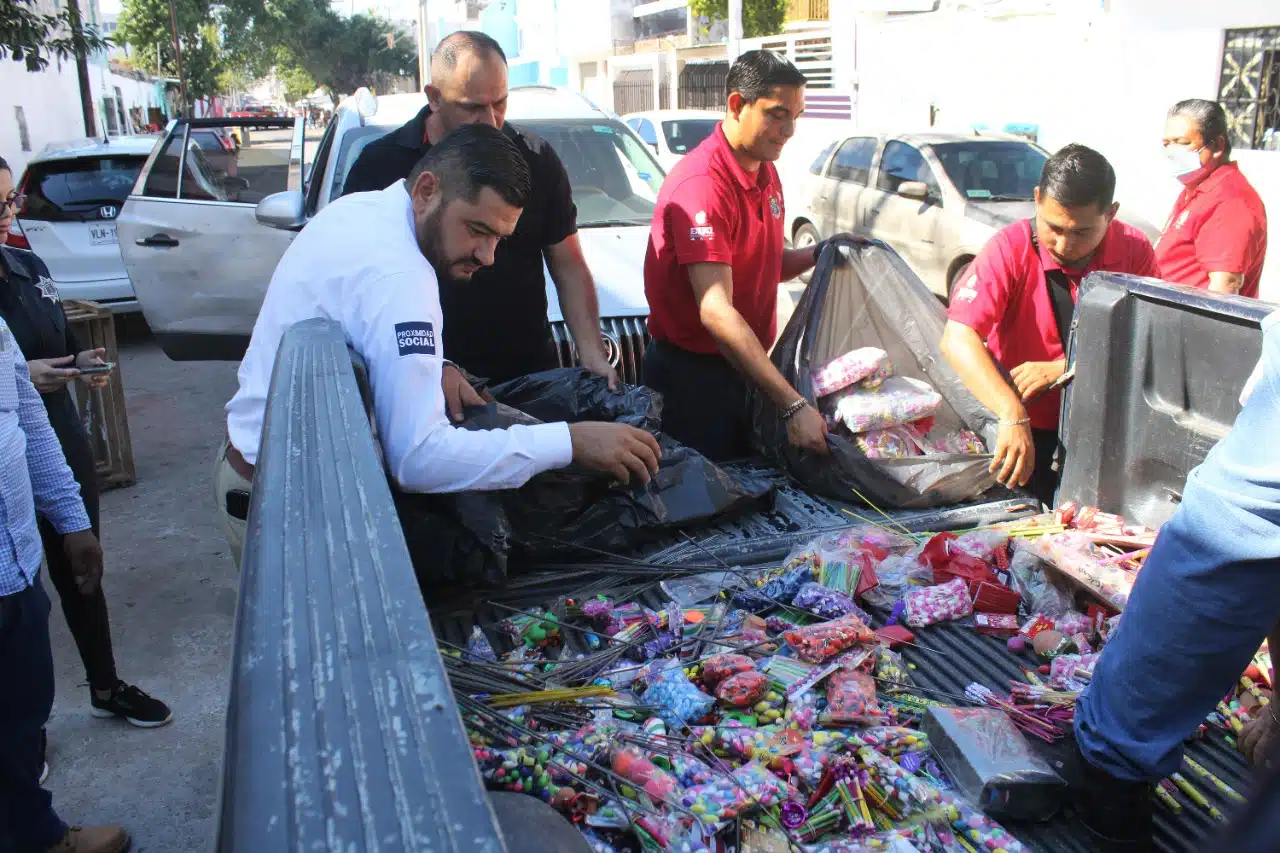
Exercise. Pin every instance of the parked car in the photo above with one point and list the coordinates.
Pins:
(201, 300)
(935, 197)
(73, 193)
(673, 133)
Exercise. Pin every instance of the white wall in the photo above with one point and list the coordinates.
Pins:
(1104, 80)
(50, 101)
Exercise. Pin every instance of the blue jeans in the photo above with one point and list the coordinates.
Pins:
(1207, 596)
(27, 819)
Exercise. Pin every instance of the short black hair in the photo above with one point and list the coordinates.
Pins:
(476, 156)
(1209, 117)
(755, 73)
(4, 166)
(1076, 176)
(463, 42)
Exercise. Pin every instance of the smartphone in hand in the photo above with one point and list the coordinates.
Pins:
(97, 369)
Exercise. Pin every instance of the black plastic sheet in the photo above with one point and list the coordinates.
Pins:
(571, 508)
(873, 299)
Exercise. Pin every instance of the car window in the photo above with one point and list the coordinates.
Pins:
(902, 163)
(614, 178)
(820, 162)
(225, 163)
(353, 142)
(684, 135)
(853, 161)
(78, 189)
(315, 173)
(1002, 170)
(162, 180)
(644, 128)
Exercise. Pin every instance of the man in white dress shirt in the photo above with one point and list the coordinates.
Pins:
(373, 262)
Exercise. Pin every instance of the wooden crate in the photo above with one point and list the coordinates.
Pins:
(102, 410)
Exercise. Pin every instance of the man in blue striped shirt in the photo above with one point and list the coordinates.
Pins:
(34, 476)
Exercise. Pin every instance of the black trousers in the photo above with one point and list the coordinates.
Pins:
(704, 400)
(1044, 480)
(27, 819)
(86, 614)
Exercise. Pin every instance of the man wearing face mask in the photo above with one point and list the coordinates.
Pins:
(469, 85)
(1216, 236)
(439, 226)
(713, 266)
(1009, 319)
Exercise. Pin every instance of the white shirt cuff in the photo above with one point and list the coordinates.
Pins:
(552, 445)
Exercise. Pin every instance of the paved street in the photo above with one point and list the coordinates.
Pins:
(171, 590)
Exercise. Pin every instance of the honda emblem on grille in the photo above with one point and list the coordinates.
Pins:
(108, 211)
(612, 349)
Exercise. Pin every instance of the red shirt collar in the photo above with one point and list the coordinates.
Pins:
(1212, 179)
(748, 180)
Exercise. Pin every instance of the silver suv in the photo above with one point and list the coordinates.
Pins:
(201, 242)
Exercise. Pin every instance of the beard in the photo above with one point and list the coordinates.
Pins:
(431, 243)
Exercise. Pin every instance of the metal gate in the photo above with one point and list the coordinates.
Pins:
(633, 91)
(702, 85)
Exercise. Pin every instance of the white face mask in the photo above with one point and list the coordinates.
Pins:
(1184, 162)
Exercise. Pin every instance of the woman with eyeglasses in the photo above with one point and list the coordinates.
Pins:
(30, 304)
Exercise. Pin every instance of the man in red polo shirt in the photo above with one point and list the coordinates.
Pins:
(713, 266)
(1008, 318)
(1216, 236)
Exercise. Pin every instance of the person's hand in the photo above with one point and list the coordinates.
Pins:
(93, 358)
(807, 430)
(617, 449)
(1015, 456)
(1032, 378)
(458, 392)
(51, 374)
(85, 554)
(1260, 739)
(599, 365)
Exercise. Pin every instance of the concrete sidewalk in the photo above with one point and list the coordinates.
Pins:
(171, 591)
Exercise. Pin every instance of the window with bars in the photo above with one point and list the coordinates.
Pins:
(1249, 86)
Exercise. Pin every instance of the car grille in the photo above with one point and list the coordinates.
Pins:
(625, 339)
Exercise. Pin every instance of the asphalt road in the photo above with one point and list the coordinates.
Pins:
(171, 590)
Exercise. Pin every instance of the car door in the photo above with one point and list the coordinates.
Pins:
(910, 225)
(849, 174)
(199, 259)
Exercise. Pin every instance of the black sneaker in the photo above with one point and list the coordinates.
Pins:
(133, 704)
(1118, 813)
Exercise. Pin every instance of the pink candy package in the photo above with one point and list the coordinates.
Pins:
(899, 400)
(938, 603)
(864, 364)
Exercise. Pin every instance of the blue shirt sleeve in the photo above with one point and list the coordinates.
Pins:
(56, 492)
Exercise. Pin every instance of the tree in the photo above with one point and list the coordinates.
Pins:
(34, 37)
(759, 17)
(144, 24)
(363, 50)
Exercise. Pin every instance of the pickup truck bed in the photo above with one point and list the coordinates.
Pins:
(341, 732)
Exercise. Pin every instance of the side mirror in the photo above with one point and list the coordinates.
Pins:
(917, 190)
(282, 210)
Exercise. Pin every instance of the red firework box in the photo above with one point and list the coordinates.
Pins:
(996, 624)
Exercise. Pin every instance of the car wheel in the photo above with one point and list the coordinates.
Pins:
(806, 237)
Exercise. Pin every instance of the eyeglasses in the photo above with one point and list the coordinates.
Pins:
(14, 200)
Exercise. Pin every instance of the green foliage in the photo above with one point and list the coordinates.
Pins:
(363, 50)
(759, 17)
(144, 25)
(30, 36)
(298, 83)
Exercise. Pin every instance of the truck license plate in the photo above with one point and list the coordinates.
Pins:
(103, 235)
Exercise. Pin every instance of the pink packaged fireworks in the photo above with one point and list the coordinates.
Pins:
(851, 698)
(965, 441)
(849, 368)
(899, 400)
(816, 643)
(894, 442)
(938, 603)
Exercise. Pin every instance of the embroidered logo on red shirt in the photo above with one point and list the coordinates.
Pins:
(701, 230)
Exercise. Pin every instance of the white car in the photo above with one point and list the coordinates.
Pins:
(201, 264)
(673, 133)
(73, 193)
(936, 198)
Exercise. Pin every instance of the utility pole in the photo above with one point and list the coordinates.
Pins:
(735, 29)
(82, 69)
(177, 52)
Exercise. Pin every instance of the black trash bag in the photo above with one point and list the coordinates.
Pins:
(571, 508)
(874, 299)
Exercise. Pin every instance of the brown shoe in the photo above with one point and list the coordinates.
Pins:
(93, 839)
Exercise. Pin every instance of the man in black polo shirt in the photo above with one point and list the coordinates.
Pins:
(497, 327)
